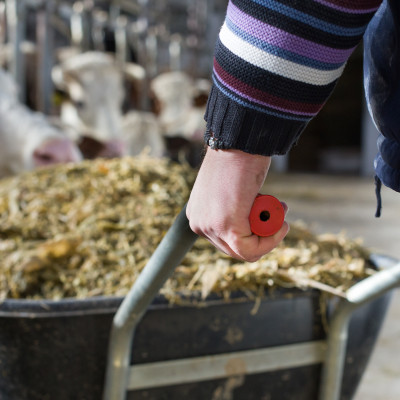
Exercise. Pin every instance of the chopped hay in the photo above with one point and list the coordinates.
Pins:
(88, 230)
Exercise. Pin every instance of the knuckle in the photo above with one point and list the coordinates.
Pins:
(253, 258)
(235, 240)
(195, 228)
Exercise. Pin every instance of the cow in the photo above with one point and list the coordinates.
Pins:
(179, 103)
(28, 139)
(142, 133)
(93, 86)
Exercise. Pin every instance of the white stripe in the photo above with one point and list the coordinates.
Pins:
(197, 369)
(274, 64)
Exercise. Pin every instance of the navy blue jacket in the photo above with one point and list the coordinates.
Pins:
(382, 89)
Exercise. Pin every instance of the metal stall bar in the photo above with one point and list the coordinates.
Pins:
(16, 19)
(358, 295)
(3, 36)
(44, 35)
(80, 25)
(176, 243)
(121, 40)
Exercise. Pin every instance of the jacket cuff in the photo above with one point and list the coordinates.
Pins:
(232, 126)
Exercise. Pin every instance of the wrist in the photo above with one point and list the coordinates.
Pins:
(247, 168)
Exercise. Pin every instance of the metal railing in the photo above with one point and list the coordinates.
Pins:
(157, 34)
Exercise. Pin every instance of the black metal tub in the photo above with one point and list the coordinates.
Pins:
(58, 349)
(140, 347)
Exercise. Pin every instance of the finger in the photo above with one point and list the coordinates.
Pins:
(266, 244)
(223, 246)
(218, 243)
(229, 250)
(254, 247)
(246, 248)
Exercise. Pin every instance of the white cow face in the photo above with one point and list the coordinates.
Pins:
(93, 83)
(95, 103)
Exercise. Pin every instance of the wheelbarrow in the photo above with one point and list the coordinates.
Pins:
(217, 350)
(238, 366)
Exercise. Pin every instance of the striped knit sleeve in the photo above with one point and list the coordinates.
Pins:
(276, 62)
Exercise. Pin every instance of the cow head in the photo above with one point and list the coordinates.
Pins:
(93, 84)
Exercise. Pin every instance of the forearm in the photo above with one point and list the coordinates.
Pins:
(275, 65)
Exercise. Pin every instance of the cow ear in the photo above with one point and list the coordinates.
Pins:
(60, 96)
(134, 72)
(59, 78)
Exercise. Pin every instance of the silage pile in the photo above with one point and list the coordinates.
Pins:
(88, 230)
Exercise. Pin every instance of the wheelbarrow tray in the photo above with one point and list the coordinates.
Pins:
(58, 349)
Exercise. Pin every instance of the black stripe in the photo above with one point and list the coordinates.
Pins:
(328, 14)
(270, 82)
(266, 108)
(296, 27)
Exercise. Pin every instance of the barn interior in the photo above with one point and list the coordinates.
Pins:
(142, 87)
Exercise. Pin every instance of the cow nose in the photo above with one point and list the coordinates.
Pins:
(56, 151)
(113, 148)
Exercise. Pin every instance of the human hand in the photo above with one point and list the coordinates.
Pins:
(221, 199)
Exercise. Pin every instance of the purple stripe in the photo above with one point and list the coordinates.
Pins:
(278, 37)
(347, 10)
(245, 96)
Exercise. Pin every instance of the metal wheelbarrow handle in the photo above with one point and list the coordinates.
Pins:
(172, 249)
(266, 218)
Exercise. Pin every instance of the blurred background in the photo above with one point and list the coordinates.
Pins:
(164, 36)
(122, 77)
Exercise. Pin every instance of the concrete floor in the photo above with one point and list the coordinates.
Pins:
(336, 204)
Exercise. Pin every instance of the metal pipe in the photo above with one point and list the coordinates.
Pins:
(44, 34)
(78, 26)
(3, 24)
(176, 243)
(121, 42)
(336, 352)
(358, 295)
(100, 21)
(4, 46)
(175, 52)
(115, 9)
(151, 45)
(16, 20)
